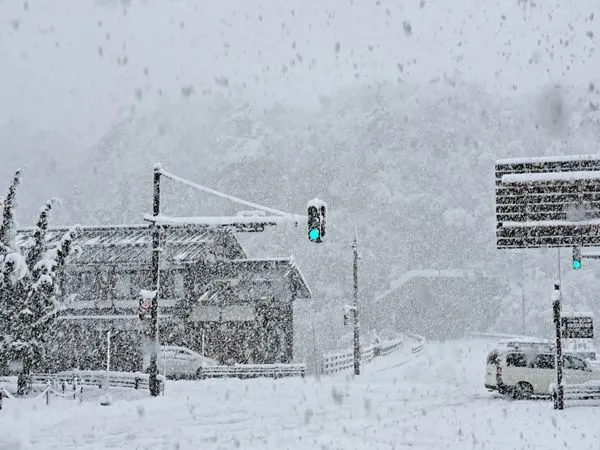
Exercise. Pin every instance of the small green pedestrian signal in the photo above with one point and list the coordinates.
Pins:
(576, 258)
(313, 234)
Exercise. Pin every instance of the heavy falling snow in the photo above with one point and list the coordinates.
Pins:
(390, 116)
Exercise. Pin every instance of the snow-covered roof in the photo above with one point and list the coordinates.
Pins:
(283, 267)
(253, 278)
(218, 250)
(131, 244)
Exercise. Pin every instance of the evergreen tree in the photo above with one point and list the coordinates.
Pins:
(29, 287)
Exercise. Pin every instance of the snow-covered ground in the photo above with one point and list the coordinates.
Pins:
(433, 401)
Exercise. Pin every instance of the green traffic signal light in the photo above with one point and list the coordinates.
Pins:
(313, 234)
(576, 264)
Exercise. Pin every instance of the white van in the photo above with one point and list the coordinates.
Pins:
(523, 373)
(527, 344)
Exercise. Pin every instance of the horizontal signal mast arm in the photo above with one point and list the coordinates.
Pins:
(225, 221)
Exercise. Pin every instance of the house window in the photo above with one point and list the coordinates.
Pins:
(89, 285)
(123, 285)
(178, 285)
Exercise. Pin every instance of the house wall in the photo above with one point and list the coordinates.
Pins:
(251, 330)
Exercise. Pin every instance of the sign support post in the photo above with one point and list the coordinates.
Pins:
(556, 309)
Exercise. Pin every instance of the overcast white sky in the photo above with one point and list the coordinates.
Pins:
(52, 74)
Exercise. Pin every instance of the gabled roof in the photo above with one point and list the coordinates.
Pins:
(247, 272)
(218, 250)
(131, 244)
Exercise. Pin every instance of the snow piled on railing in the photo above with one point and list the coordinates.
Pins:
(334, 362)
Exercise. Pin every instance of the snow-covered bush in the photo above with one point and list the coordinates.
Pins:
(29, 285)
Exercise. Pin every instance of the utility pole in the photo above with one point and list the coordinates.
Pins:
(155, 267)
(355, 309)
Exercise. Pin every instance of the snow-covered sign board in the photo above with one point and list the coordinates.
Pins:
(577, 326)
(548, 202)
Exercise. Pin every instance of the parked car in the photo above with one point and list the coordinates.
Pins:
(526, 373)
(179, 362)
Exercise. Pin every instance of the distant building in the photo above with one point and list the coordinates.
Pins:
(211, 293)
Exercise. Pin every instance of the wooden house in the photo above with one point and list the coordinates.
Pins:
(212, 297)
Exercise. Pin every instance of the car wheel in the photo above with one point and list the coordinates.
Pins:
(523, 390)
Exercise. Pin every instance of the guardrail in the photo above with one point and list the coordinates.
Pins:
(253, 371)
(337, 361)
(387, 347)
(334, 362)
(74, 378)
(419, 345)
(585, 391)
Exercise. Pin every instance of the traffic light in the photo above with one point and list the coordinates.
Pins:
(316, 220)
(576, 258)
(314, 224)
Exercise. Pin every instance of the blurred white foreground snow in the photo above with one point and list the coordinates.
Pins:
(434, 401)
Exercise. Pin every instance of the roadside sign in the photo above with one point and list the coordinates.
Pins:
(577, 327)
(548, 202)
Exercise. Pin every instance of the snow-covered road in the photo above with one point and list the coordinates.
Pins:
(434, 401)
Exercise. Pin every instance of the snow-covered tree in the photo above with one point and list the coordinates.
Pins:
(29, 286)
